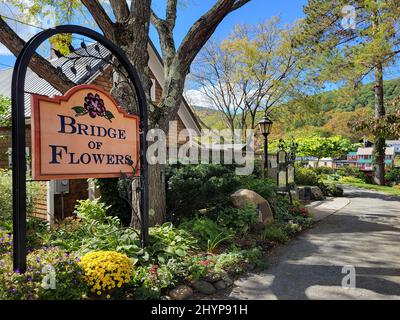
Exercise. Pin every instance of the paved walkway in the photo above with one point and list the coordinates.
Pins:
(365, 234)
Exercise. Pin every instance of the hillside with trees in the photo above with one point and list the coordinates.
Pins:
(326, 114)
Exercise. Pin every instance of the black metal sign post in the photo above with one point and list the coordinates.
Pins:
(18, 133)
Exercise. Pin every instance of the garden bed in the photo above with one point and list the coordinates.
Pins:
(93, 256)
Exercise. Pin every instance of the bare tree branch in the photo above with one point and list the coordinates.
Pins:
(101, 17)
(120, 9)
(203, 29)
(166, 38)
(171, 13)
(38, 64)
(239, 4)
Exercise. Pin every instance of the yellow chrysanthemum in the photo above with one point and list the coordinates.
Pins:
(106, 270)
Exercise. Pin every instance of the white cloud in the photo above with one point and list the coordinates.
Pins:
(198, 98)
(4, 51)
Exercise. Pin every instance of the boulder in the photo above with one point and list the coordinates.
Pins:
(220, 285)
(310, 193)
(228, 281)
(213, 277)
(181, 292)
(204, 287)
(244, 196)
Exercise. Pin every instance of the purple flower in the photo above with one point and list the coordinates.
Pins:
(94, 105)
(17, 271)
(37, 260)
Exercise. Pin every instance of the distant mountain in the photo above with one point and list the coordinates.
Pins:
(211, 118)
(326, 113)
(364, 97)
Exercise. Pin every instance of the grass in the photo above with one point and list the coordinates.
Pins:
(385, 189)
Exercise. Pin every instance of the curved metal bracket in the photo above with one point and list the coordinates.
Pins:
(18, 133)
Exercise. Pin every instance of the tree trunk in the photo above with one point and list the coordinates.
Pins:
(157, 188)
(135, 215)
(380, 142)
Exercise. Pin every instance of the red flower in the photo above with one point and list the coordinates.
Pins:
(304, 211)
(153, 269)
(204, 263)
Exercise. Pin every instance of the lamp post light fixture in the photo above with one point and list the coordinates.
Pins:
(265, 126)
(293, 150)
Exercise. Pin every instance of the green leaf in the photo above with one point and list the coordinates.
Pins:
(79, 110)
(180, 252)
(161, 259)
(109, 115)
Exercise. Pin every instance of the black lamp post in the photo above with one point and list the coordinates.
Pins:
(265, 126)
(293, 150)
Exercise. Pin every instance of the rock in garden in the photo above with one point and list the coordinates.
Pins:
(228, 281)
(310, 193)
(204, 287)
(244, 196)
(181, 292)
(220, 285)
(215, 276)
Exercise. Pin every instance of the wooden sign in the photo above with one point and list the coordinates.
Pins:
(83, 134)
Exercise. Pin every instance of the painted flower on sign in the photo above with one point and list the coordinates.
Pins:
(94, 106)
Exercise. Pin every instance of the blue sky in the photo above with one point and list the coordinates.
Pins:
(253, 12)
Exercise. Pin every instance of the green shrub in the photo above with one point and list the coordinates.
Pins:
(68, 234)
(286, 213)
(207, 231)
(306, 177)
(236, 260)
(91, 210)
(6, 198)
(351, 180)
(331, 189)
(352, 172)
(264, 187)
(6, 241)
(274, 233)
(324, 170)
(194, 187)
(393, 175)
(5, 195)
(168, 242)
(115, 204)
(240, 220)
(36, 230)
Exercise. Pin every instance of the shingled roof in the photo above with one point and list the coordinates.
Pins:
(37, 85)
